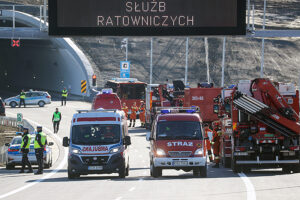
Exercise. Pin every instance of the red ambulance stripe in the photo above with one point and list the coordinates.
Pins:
(92, 119)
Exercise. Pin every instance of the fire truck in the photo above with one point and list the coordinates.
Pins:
(261, 119)
(177, 142)
(129, 90)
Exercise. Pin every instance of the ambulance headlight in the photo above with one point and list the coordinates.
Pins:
(76, 151)
(199, 152)
(160, 152)
(115, 150)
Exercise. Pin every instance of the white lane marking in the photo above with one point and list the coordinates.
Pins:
(61, 165)
(131, 189)
(249, 186)
(119, 198)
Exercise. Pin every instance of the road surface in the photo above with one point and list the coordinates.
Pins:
(220, 184)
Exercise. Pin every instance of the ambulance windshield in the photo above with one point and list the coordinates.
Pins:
(96, 134)
(171, 130)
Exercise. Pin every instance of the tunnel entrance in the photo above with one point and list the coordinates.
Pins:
(38, 64)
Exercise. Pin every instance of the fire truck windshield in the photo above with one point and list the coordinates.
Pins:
(132, 91)
(96, 134)
(170, 130)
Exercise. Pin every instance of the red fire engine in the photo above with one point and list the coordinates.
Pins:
(129, 90)
(264, 118)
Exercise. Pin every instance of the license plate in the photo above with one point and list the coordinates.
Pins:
(95, 168)
(180, 163)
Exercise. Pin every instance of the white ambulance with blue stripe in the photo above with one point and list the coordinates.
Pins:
(98, 143)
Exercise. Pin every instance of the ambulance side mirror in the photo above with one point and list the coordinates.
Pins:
(66, 142)
(50, 144)
(127, 140)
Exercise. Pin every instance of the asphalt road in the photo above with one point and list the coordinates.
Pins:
(220, 184)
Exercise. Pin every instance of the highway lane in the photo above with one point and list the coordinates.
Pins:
(220, 184)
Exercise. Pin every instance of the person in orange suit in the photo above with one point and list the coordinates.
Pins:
(216, 146)
(125, 109)
(207, 141)
(142, 114)
(134, 109)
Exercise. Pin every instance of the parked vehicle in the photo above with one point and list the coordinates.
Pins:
(106, 100)
(40, 98)
(262, 122)
(14, 156)
(177, 142)
(2, 107)
(98, 143)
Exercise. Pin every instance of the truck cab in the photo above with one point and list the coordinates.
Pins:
(177, 142)
(98, 143)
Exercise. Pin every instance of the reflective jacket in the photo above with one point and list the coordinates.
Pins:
(64, 93)
(40, 138)
(26, 136)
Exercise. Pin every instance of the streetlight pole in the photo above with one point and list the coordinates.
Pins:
(206, 59)
(151, 60)
(186, 61)
(263, 43)
(223, 66)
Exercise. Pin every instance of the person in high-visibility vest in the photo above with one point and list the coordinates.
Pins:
(142, 114)
(207, 141)
(64, 96)
(56, 118)
(134, 109)
(22, 99)
(25, 145)
(125, 109)
(39, 146)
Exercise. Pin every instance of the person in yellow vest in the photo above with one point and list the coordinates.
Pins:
(64, 96)
(39, 146)
(25, 150)
(22, 99)
(56, 118)
(134, 109)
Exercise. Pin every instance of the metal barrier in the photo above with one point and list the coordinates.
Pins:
(8, 121)
(38, 11)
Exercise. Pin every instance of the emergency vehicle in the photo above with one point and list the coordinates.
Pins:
(106, 99)
(177, 142)
(98, 143)
(129, 90)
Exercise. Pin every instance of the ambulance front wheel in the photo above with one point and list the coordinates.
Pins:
(72, 175)
(203, 171)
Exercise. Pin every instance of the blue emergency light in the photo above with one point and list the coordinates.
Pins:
(191, 111)
(165, 111)
(107, 91)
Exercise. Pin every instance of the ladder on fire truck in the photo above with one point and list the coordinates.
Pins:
(264, 114)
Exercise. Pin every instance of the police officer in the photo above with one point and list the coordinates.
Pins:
(25, 150)
(39, 145)
(56, 118)
(64, 96)
(22, 99)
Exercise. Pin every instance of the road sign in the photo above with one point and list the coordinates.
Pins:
(19, 117)
(83, 86)
(124, 69)
(147, 17)
(15, 43)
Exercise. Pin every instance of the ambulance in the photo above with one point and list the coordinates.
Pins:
(98, 143)
(177, 142)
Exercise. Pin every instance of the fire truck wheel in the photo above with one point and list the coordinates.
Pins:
(203, 171)
(286, 169)
(155, 172)
(227, 162)
(235, 168)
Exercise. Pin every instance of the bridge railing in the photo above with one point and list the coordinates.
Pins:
(8, 15)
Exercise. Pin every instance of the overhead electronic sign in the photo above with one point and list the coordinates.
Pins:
(147, 17)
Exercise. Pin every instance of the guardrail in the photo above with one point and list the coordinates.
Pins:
(3, 158)
(8, 121)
